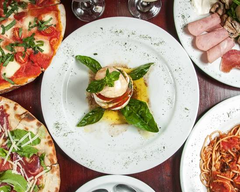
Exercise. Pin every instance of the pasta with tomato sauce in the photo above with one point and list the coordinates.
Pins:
(220, 161)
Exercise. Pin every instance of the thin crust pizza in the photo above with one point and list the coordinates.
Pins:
(30, 34)
(28, 161)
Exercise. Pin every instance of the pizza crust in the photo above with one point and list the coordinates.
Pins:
(20, 118)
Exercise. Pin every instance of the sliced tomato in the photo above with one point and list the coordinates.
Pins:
(121, 101)
(19, 16)
(16, 35)
(21, 57)
(50, 31)
(41, 59)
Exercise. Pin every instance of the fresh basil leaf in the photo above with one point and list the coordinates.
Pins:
(17, 181)
(91, 63)
(7, 79)
(137, 113)
(5, 188)
(20, 32)
(17, 134)
(140, 71)
(32, 1)
(42, 25)
(96, 86)
(92, 117)
(111, 78)
(26, 151)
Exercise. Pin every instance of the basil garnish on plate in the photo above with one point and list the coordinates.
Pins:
(92, 117)
(97, 85)
(140, 71)
(91, 63)
(137, 113)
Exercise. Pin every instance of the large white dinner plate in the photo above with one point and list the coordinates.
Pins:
(185, 13)
(173, 96)
(108, 182)
(223, 117)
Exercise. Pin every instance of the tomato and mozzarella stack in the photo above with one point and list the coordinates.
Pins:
(118, 96)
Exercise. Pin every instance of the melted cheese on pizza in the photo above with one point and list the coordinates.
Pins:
(11, 69)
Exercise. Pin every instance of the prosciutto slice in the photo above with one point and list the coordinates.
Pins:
(230, 60)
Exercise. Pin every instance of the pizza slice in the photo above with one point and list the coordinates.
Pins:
(28, 43)
(28, 159)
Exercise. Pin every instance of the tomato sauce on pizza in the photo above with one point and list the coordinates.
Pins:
(30, 34)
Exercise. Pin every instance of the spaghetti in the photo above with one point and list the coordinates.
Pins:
(220, 161)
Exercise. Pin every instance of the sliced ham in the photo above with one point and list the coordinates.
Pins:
(230, 60)
(198, 27)
(208, 40)
(220, 49)
(213, 28)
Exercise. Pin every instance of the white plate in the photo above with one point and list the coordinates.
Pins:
(223, 116)
(109, 181)
(184, 13)
(173, 92)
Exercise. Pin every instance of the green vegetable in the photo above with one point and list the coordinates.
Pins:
(28, 42)
(97, 85)
(42, 156)
(140, 71)
(7, 79)
(91, 63)
(9, 57)
(17, 134)
(5, 188)
(3, 153)
(17, 181)
(26, 151)
(137, 113)
(92, 117)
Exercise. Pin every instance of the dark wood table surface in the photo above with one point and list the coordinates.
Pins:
(163, 178)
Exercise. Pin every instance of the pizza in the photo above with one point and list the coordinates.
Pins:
(28, 161)
(30, 34)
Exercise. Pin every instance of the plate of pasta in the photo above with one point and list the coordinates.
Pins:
(211, 156)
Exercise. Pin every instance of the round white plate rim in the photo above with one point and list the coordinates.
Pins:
(196, 130)
(193, 114)
(216, 74)
(116, 179)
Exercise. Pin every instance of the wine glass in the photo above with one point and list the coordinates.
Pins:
(88, 10)
(144, 9)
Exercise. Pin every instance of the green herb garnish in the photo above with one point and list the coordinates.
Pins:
(91, 63)
(7, 79)
(5, 188)
(7, 27)
(92, 117)
(18, 182)
(140, 71)
(97, 85)
(137, 113)
(40, 24)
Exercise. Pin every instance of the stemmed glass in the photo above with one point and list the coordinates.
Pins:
(144, 9)
(88, 10)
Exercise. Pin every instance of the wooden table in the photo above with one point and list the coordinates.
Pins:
(164, 177)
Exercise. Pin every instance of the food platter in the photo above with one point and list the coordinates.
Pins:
(173, 96)
(108, 182)
(223, 117)
(185, 13)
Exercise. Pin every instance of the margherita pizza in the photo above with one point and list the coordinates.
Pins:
(30, 34)
(28, 160)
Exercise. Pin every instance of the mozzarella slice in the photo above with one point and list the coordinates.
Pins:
(10, 69)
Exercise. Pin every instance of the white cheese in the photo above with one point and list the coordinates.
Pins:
(46, 47)
(11, 69)
(46, 17)
(30, 140)
(203, 6)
